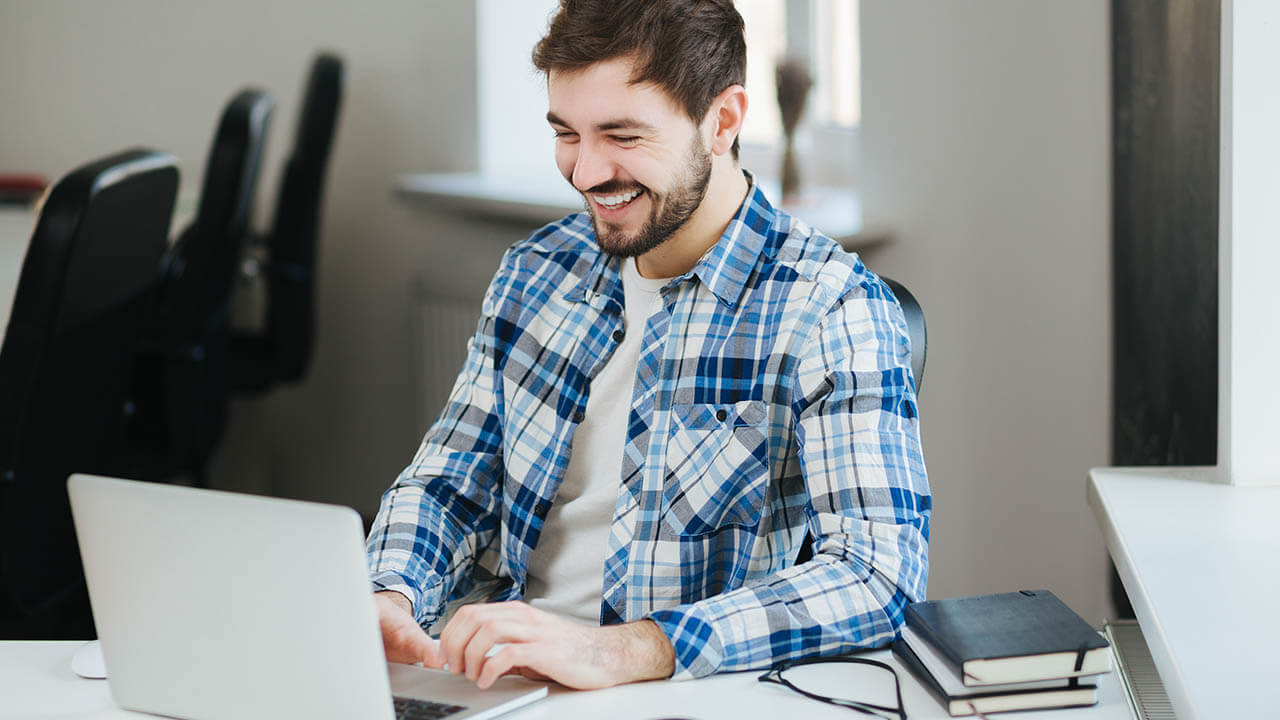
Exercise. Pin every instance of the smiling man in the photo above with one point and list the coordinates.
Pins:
(663, 397)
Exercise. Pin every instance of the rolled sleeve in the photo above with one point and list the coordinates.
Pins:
(444, 506)
(868, 507)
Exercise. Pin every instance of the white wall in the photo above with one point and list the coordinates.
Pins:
(1248, 298)
(79, 80)
(986, 148)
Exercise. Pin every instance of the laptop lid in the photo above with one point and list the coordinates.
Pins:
(216, 604)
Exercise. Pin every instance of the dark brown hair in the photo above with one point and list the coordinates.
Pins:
(692, 49)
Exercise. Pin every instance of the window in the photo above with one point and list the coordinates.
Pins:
(823, 34)
(515, 141)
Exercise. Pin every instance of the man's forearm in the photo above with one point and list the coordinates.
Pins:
(399, 599)
(645, 651)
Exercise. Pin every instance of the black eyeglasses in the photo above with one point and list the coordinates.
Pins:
(778, 675)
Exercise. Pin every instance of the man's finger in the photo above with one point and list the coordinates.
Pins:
(498, 664)
(431, 655)
(457, 634)
(529, 673)
(406, 642)
(488, 639)
(421, 647)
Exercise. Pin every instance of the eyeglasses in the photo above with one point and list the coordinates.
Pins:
(784, 674)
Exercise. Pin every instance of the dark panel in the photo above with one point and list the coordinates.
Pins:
(1165, 84)
(1165, 55)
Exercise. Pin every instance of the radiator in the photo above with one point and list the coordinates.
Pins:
(444, 323)
(1142, 684)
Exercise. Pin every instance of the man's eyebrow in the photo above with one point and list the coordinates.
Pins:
(616, 124)
(625, 124)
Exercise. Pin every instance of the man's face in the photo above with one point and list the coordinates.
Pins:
(641, 165)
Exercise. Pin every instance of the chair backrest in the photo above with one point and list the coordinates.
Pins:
(916, 328)
(293, 240)
(205, 258)
(85, 296)
(182, 397)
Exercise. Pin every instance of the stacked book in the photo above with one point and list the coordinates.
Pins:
(997, 653)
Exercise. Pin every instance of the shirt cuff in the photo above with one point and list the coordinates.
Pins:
(698, 649)
(389, 580)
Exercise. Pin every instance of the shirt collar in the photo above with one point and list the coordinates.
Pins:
(727, 266)
(724, 269)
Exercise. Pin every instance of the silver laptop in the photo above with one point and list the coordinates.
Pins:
(218, 605)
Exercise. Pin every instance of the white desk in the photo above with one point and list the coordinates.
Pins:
(36, 681)
(1200, 562)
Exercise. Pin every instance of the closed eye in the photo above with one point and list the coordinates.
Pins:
(626, 140)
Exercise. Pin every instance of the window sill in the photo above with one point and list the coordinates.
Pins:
(837, 212)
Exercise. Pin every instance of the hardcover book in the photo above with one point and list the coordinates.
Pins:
(961, 701)
(1023, 636)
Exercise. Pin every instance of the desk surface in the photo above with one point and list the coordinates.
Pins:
(1199, 562)
(36, 681)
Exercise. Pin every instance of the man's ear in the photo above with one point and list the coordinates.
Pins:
(726, 113)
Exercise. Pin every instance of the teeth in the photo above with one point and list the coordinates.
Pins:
(613, 201)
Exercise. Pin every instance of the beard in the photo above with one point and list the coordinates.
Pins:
(670, 211)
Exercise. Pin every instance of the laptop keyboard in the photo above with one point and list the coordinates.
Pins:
(414, 709)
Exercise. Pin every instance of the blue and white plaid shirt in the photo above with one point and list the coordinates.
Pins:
(773, 396)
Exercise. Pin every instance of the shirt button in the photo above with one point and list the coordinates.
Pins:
(541, 509)
(618, 335)
(579, 416)
(721, 415)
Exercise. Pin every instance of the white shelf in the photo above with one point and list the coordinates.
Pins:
(1200, 562)
(835, 211)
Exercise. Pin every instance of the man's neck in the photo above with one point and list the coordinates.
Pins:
(725, 193)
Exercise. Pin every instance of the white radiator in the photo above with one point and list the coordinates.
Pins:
(444, 323)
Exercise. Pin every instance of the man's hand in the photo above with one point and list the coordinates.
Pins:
(539, 644)
(403, 640)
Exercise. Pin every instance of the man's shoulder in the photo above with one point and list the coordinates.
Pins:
(818, 259)
(556, 253)
(571, 234)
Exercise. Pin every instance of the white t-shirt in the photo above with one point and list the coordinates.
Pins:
(566, 569)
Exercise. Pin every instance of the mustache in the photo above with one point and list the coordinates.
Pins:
(614, 187)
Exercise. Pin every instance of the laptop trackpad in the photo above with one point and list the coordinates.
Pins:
(506, 694)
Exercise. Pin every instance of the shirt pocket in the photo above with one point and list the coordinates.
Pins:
(717, 467)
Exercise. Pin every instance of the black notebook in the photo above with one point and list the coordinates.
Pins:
(1022, 636)
(960, 701)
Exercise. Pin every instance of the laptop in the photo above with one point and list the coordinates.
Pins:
(212, 604)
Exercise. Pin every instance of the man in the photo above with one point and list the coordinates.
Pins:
(663, 396)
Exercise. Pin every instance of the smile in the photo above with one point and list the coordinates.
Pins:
(613, 202)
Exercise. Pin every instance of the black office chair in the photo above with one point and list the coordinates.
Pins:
(85, 295)
(916, 329)
(181, 386)
(918, 333)
(283, 352)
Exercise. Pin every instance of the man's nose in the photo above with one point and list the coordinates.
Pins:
(591, 168)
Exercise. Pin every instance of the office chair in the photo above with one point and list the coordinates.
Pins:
(283, 351)
(918, 334)
(84, 297)
(181, 383)
(916, 329)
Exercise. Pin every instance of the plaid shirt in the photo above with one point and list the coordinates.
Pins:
(773, 396)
